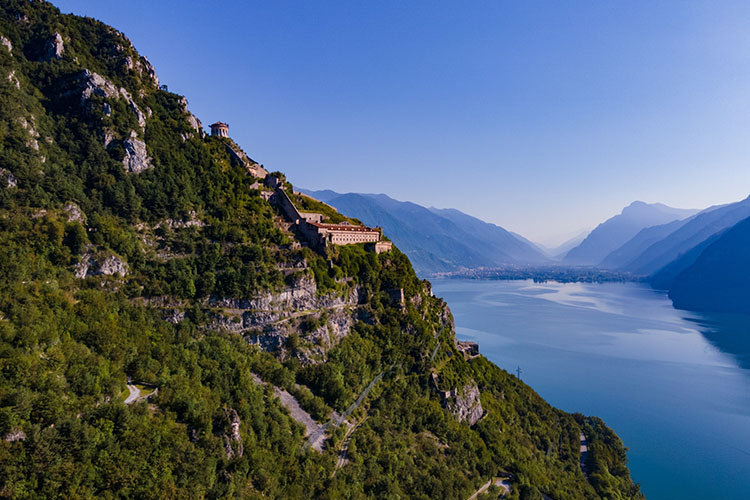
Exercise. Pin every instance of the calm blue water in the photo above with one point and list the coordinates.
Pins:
(674, 385)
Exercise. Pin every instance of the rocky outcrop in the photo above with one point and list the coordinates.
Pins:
(108, 137)
(93, 84)
(98, 266)
(192, 221)
(233, 441)
(6, 43)
(300, 297)
(174, 316)
(6, 179)
(54, 48)
(15, 435)
(136, 157)
(269, 320)
(446, 318)
(147, 70)
(13, 79)
(32, 143)
(195, 123)
(465, 405)
(74, 213)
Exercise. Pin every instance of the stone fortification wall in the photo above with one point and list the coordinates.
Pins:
(288, 207)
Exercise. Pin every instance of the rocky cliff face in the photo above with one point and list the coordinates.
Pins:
(102, 265)
(465, 404)
(233, 439)
(270, 319)
(136, 158)
(54, 48)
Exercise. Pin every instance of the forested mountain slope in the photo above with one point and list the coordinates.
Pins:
(132, 247)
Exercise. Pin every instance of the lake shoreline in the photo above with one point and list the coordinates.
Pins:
(620, 351)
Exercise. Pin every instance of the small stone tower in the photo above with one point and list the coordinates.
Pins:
(220, 129)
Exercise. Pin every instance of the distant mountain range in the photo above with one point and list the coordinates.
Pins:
(615, 232)
(700, 257)
(436, 240)
(695, 231)
(560, 251)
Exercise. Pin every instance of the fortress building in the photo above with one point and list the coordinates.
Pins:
(321, 235)
(220, 129)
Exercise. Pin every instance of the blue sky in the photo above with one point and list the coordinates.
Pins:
(544, 117)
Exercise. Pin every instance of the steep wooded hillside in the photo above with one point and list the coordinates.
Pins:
(164, 332)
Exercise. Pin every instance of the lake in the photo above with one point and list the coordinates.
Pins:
(674, 385)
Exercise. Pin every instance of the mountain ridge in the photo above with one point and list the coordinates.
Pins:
(619, 229)
(436, 240)
(695, 231)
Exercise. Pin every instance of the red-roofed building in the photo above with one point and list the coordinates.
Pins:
(320, 235)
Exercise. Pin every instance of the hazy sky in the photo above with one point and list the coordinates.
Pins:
(542, 116)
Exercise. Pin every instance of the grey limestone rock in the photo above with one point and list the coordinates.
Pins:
(174, 316)
(98, 266)
(5, 42)
(136, 157)
(147, 69)
(15, 435)
(94, 84)
(74, 213)
(34, 135)
(12, 78)
(465, 405)
(269, 320)
(7, 177)
(234, 436)
(54, 48)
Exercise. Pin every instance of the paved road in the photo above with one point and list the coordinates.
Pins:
(497, 481)
(318, 437)
(315, 432)
(342, 460)
(135, 393)
(312, 428)
(584, 452)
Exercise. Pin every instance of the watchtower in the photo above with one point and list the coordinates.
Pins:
(220, 129)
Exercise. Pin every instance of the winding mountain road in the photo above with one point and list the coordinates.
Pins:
(317, 438)
(496, 481)
(312, 428)
(342, 459)
(135, 393)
